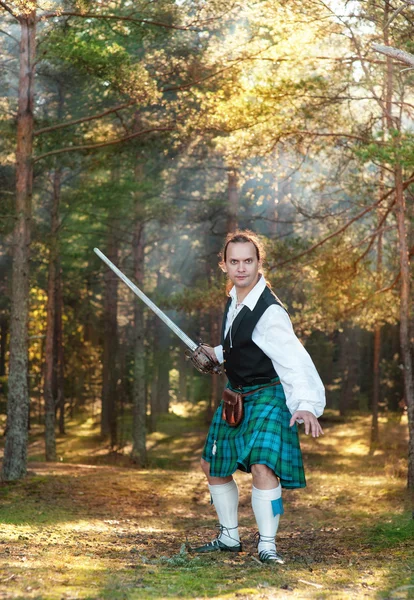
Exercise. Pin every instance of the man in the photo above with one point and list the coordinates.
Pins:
(259, 351)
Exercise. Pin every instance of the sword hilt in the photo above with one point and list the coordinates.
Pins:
(203, 361)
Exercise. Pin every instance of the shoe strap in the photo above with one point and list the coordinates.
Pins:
(269, 553)
(225, 531)
(264, 538)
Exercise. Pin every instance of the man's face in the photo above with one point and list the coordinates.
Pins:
(242, 266)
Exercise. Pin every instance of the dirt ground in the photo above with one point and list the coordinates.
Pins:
(108, 531)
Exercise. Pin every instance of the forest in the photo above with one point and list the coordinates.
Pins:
(149, 129)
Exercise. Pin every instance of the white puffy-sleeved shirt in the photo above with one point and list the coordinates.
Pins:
(274, 335)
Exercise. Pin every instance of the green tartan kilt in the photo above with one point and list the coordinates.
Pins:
(263, 437)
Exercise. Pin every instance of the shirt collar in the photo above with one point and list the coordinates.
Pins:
(253, 296)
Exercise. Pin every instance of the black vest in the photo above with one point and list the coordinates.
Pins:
(244, 362)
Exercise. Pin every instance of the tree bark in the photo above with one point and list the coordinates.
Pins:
(405, 300)
(350, 358)
(162, 360)
(395, 53)
(15, 452)
(404, 260)
(376, 388)
(139, 452)
(377, 335)
(109, 371)
(153, 335)
(50, 346)
(215, 379)
(60, 374)
(3, 345)
(233, 199)
(163, 383)
(182, 367)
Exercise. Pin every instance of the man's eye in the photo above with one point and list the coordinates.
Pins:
(249, 260)
(233, 262)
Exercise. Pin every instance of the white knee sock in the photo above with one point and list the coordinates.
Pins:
(226, 502)
(267, 507)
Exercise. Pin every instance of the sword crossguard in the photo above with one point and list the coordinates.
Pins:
(203, 360)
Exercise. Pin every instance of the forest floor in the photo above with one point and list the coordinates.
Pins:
(92, 526)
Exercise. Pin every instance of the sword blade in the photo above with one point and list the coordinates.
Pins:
(178, 332)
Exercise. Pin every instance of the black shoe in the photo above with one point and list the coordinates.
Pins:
(217, 546)
(271, 556)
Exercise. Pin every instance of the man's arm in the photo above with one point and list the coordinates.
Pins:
(304, 390)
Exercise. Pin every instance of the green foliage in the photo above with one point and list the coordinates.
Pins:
(393, 530)
(397, 150)
(90, 52)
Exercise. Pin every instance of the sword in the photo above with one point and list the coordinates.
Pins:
(200, 358)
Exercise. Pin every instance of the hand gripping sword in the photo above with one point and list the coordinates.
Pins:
(198, 354)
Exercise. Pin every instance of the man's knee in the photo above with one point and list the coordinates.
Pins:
(261, 471)
(264, 475)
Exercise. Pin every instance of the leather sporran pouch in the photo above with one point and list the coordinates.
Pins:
(232, 411)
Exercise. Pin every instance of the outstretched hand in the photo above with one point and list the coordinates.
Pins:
(311, 422)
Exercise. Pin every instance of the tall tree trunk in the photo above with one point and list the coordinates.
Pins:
(155, 411)
(404, 260)
(182, 367)
(233, 199)
(350, 359)
(377, 335)
(162, 356)
(375, 388)
(3, 344)
(163, 384)
(405, 300)
(60, 374)
(15, 452)
(153, 335)
(161, 375)
(50, 349)
(109, 370)
(215, 383)
(343, 368)
(139, 453)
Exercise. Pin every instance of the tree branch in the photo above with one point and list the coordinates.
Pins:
(371, 296)
(65, 13)
(344, 227)
(9, 35)
(99, 145)
(380, 228)
(84, 119)
(333, 134)
(388, 287)
(9, 10)
(394, 53)
(398, 11)
(362, 61)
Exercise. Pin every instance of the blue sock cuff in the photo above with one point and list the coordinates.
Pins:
(277, 507)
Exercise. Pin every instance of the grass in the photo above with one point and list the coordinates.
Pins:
(93, 527)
